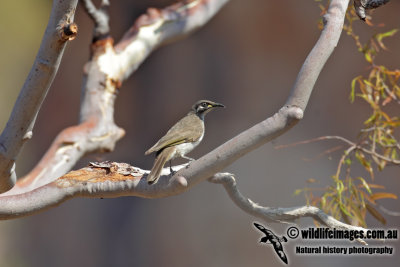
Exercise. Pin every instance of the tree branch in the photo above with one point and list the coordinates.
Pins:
(18, 130)
(155, 28)
(106, 70)
(100, 18)
(105, 180)
(277, 215)
(322, 50)
(112, 179)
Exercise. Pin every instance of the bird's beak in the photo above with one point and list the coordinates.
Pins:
(217, 105)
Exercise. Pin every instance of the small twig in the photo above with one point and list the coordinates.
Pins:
(326, 152)
(341, 161)
(397, 144)
(370, 129)
(350, 143)
(322, 138)
(372, 153)
(100, 17)
(374, 142)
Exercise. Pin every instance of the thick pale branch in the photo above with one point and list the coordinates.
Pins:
(96, 132)
(105, 72)
(111, 180)
(106, 180)
(18, 130)
(315, 61)
(156, 28)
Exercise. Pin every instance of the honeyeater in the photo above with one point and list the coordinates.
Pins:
(182, 138)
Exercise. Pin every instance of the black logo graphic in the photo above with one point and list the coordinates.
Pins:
(274, 240)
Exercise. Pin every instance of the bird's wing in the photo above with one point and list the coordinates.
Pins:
(175, 136)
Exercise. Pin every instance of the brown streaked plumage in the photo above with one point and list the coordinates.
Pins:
(182, 138)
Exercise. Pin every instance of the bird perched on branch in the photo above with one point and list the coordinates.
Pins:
(182, 138)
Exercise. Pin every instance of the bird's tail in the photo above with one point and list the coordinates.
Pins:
(165, 155)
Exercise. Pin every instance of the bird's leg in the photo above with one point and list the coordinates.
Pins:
(190, 160)
(186, 157)
(170, 168)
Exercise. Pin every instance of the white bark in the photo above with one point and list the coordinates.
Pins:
(20, 125)
(109, 66)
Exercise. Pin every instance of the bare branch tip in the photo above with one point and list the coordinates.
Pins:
(105, 3)
(222, 178)
(293, 111)
(297, 113)
(121, 132)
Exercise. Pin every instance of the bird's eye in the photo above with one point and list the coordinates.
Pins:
(204, 104)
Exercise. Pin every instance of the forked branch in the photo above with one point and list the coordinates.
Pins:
(108, 67)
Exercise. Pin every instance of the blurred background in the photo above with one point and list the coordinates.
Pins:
(247, 58)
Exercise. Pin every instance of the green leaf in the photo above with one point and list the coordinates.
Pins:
(353, 88)
(297, 192)
(367, 165)
(394, 154)
(371, 119)
(368, 57)
(367, 82)
(339, 186)
(323, 201)
(380, 36)
(365, 185)
(344, 210)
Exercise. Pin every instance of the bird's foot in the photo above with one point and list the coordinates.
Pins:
(172, 172)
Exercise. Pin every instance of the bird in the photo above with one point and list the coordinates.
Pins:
(274, 240)
(182, 138)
